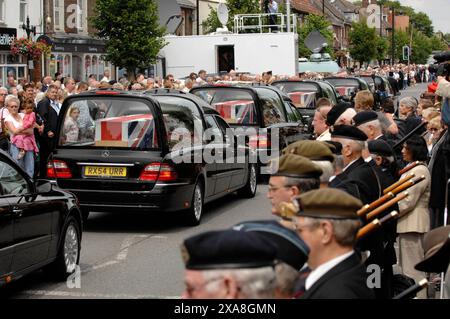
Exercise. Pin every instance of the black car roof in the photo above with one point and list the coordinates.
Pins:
(251, 88)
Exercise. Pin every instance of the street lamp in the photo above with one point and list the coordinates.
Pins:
(29, 29)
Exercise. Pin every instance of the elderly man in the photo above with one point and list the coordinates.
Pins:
(340, 114)
(328, 223)
(291, 250)
(319, 153)
(295, 175)
(46, 81)
(69, 85)
(321, 129)
(48, 109)
(229, 264)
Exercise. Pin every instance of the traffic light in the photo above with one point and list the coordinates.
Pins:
(405, 53)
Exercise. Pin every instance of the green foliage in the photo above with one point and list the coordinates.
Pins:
(420, 21)
(363, 42)
(437, 44)
(314, 22)
(382, 48)
(421, 48)
(131, 30)
(212, 22)
(447, 37)
(234, 7)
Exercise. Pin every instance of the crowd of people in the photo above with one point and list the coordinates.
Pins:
(318, 248)
(314, 250)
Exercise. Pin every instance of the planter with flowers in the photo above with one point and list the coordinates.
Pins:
(31, 50)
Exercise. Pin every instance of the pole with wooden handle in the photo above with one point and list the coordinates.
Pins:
(398, 183)
(408, 167)
(385, 206)
(408, 184)
(368, 207)
(376, 223)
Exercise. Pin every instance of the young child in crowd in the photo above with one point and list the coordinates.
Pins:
(26, 142)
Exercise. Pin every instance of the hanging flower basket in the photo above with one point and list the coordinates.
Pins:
(32, 50)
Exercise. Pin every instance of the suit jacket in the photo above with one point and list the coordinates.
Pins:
(415, 216)
(439, 167)
(361, 178)
(48, 115)
(347, 280)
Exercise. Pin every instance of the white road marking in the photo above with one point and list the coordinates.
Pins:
(60, 293)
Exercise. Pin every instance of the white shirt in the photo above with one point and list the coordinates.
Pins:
(320, 271)
(325, 136)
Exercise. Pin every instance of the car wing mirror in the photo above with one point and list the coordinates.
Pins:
(43, 186)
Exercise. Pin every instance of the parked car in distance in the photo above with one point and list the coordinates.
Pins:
(40, 225)
(138, 152)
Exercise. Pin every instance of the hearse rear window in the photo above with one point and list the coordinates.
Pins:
(303, 95)
(235, 106)
(107, 122)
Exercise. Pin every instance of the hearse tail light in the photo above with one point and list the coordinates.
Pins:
(58, 169)
(158, 172)
(259, 141)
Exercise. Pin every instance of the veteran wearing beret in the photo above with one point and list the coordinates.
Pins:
(291, 175)
(328, 223)
(229, 264)
(320, 153)
(292, 253)
(340, 114)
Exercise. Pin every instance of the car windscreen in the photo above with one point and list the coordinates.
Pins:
(303, 95)
(126, 123)
(345, 87)
(234, 105)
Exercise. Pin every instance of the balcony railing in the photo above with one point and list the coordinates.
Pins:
(246, 23)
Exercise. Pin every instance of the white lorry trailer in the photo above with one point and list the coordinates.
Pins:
(242, 52)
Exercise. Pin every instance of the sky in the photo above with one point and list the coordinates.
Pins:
(437, 10)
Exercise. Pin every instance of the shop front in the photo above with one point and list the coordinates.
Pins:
(10, 65)
(78, 60)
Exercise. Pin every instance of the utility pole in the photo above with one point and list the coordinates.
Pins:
(29, 29)
(381, 19)
(393, 37)
(198, 17)
(323, 7)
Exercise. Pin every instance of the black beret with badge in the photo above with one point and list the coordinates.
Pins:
(364, 117)
(227, 249)
(336, 111)
(348, 132)
(328, 203)
(380, 147)
(291, 248)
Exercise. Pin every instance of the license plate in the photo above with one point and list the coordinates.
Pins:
(105, 171)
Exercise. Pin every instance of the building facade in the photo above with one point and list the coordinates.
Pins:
(13, 14)
(76, 52)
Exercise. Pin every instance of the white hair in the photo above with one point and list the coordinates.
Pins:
(11, 98)
(254, 283)
(327, 170)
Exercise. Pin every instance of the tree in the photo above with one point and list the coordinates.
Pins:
(212, 22)
(363, 42)
(421, 48)
(131, 30)
(437, 44)
(234, 7)
(314, 22)
(420, 21)
(382, 49)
